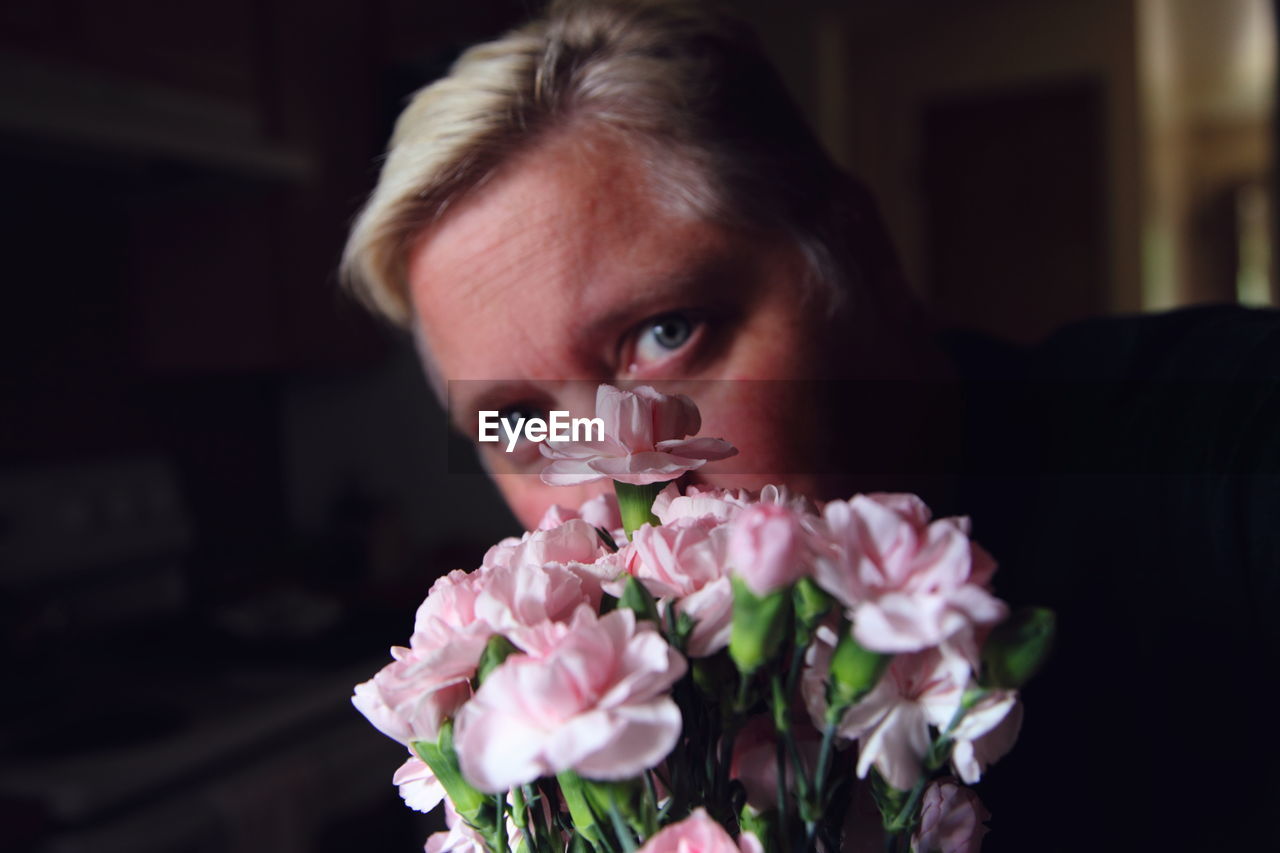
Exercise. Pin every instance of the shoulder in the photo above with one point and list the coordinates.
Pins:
(1220, 342)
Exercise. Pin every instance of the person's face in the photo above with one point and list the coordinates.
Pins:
(564, 267)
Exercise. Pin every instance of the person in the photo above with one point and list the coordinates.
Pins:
(623, 192)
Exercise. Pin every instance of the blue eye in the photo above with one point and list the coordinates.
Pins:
(513, 414)
(662, 336)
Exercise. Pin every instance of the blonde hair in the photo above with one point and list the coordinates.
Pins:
(684, 82)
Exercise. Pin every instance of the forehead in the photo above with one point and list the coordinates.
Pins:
(565, 233)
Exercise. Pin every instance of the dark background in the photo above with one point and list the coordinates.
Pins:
(223, 488)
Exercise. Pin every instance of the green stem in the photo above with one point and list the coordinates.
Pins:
(784, 821)
(824, 761)
(635, 504)
(620, 829)
(905, 817)
(500, 830)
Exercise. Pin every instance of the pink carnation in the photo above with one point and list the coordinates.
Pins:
(411, 696)
(574, 541)
(723, 504)
(687, 562)
(952, 820)
(462, 838)
(891, 723)
(986, 734)
(698, 833)
(769, 547)
(428, 682)
(419, 788)
(646, 440)
(908, 583)
(593, 698)
(600, 511)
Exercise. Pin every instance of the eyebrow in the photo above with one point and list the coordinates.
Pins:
(709, 273)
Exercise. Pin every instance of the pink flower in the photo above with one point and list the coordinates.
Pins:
(700, 502)
(723, 504)
(574, 541)
(646, 440)
(768, 547)
(513, 596)
(462, 838)
(698, 833)
(687, 562)
(600, 511)
(951, 820)
(429, 681)
(908, 583)
(418, 785)
(891, 724)
(410, 697)
(593, 698)
(986, 734)
(448, 611)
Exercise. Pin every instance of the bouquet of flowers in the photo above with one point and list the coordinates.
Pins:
(713, 671)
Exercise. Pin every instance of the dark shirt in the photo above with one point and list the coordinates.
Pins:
(1126, 472)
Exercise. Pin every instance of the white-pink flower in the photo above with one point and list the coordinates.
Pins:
(892, 722)
(600, 511)
(952, 820)
(687, 562)
(593, 698)
(987, 732)
(646, 440)
(573, 541)
(907, 583)
(513, 596)
(462, 838)
(769, 547)
(410, 697)
(448, 612)
(723, 504)
(419, 788)
(428, 682)
(699, 833)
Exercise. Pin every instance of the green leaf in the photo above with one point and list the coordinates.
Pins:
(607, 538)
(575, 797)
(636, 597)
(442, 758)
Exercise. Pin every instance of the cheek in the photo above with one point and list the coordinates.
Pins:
(771, 424)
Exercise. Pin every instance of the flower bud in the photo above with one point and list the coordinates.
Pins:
(759, 626)
(1018, 647)
(854, 672)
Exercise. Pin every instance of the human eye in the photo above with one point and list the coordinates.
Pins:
(513, 418)
(661, 337)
